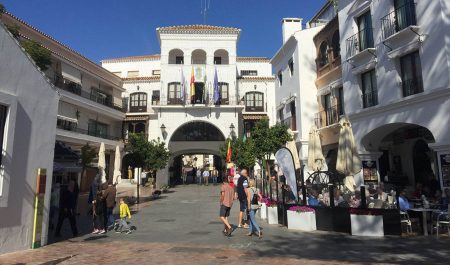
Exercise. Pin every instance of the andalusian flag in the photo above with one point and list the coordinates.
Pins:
(229, 152)
(193, 85)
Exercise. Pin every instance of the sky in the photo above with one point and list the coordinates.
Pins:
(101, 29)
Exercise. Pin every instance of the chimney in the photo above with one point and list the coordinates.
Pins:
(290, 26)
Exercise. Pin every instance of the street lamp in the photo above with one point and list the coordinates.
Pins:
(232, 134)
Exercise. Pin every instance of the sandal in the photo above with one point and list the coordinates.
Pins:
(260, 234)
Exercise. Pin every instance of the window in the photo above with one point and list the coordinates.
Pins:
(97, 129)
(138, 102)
(335, 44)
(156, 72)
(291, 66)
(369, 89)
(365, 35)
(133, 74)
(179, 60)
(217, 60)
(3, 116)
(155, 97)
(125, 103)
(293, 117)
(405, 14)
(254, 101)
(340, 99)
(249, 73)
(281, 114)
(224, 96)
(323, 54)
(411, 74)
(100, 97)
(280, 78)
(174, 94)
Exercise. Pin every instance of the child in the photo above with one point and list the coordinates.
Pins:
(124, 212)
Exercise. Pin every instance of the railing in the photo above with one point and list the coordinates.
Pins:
(370, 99)
(87, 132)
(254, 108)
(412, 86)
(75, 88)
(138, 108)
(359, 42)
(399, 19)
(328, 116)
(208, 101)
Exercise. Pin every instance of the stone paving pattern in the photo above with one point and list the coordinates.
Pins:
(182, 227)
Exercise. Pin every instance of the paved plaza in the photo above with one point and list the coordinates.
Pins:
(182, 227)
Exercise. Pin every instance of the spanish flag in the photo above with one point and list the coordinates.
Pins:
(192, 85)
(229, 152)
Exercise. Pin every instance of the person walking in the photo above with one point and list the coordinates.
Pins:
(110, 200)
(253, 196)
(214, 175)
(98, 212)
(241, 194)
(124, 213)
(226, 202)
(184, 175)
(67, 209)
(206, 176)
(199, 176)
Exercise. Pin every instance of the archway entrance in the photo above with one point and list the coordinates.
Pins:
(195, 148)
(406, 159)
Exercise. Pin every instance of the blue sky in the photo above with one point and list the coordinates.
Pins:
(101, 29)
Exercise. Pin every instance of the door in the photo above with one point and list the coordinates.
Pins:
(365, 31)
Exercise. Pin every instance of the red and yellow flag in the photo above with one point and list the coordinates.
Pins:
(229, 152)
(192, 84)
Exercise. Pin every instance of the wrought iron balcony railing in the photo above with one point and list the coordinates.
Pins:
(370, 99)
(73, 128)
(359, 42)
(328, 116)
(399, 19)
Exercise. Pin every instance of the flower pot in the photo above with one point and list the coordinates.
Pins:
(263, 211)
(272, 215)
(305, 221)
(367, 225)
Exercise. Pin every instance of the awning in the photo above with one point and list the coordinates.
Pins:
(64, 118)
(254, 116)
(136, 118)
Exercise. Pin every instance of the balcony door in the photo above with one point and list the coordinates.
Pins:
(174, 94)
(224, 95)
(365, 35)
(411, 74)
(369, 89)
(405, 13)
(254, 101)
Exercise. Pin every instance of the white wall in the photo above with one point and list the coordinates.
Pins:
(30, 141)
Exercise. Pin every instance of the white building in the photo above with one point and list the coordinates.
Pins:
(90, 108)
(27, 139)
(295, 97)
(396, 80)
(160, 101)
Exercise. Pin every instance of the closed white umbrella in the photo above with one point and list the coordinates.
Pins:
(293, 148)
(348, 161)
(316, 160)
(102, 163)
(117, 172)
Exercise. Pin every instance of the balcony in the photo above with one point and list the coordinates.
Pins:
(207, 102)
(138, 109)
(370, 99)
(73, 128)
(398, 20)
(361, 41)
(412, 86)
(75, 88)
(329, 116)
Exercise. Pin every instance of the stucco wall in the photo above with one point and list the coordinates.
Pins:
(30, 142)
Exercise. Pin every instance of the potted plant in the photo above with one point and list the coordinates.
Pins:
(272, 211)
(366, 222)
(301, 218)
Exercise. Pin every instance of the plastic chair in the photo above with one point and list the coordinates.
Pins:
(404, 219)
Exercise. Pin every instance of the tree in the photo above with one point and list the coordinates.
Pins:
(40, 55)
(2, 9)
(14, 29)
(151, 155)
(242, 152)
(88, 154)
(268, 140)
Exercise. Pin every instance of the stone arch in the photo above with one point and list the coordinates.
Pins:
(176, 56)
(197, 131)
(198, 56)
(221, 57)
(323, 54)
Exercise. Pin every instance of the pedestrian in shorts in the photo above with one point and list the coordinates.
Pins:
(226, 202)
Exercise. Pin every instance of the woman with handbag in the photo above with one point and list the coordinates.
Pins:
(253, 196)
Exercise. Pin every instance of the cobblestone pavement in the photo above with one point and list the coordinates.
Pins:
(182, 227)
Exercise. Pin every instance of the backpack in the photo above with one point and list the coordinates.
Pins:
(254, 200)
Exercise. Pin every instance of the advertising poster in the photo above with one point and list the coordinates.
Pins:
(445, 169)
(370, 172)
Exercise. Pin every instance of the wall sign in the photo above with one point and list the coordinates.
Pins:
(370, 172)
(444, 160)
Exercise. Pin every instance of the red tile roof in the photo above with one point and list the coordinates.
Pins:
(142, 78)
(149, 57)
(198, 28)
(253, 59)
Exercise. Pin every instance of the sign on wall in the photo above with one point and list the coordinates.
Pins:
(444, 162)
(370, 172)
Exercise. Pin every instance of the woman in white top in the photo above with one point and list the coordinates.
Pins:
(253, 196)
